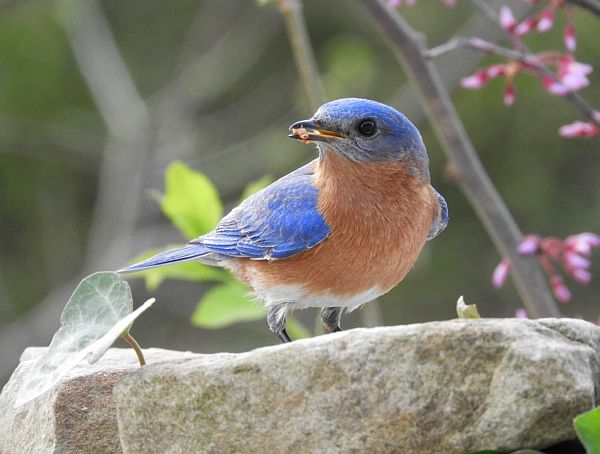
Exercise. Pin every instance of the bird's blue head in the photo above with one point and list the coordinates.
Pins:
(365, 131)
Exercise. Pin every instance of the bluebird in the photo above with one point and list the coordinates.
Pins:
(337, 232)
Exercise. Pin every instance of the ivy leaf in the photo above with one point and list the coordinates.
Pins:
(191, 201)
(185, 271)
(225, 305)
(256, 185)
(98, 312)
(587, 427)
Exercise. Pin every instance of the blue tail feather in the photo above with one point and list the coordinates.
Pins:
(183, 254)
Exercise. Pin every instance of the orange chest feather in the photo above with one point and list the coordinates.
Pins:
(379, 218)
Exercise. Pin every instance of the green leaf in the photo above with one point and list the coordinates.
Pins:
(465, 310)
(185, 271)
(98, 312)
(587, 427)
(225, 305)
(191, 201)
(296, 329)
(257, 185)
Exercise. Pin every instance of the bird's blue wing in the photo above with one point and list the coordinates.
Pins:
(277, 222)
(441, 221)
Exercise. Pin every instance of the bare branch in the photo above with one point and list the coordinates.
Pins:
(485, 9)
(128, 122)
(592, 6)
(291, 10)
(469, 171)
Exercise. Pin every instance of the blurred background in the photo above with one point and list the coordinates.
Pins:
(97, 98)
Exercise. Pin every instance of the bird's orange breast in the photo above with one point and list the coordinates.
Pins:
(379, 216)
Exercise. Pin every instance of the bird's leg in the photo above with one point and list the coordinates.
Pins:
(277, 318)
(331, 318)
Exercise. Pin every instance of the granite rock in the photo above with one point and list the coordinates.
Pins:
(440, 387)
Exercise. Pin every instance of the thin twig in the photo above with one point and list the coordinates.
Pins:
(470, 174)
(485, 9)
(304, 58)
(128, 122)
(486, 46)
(592, 6)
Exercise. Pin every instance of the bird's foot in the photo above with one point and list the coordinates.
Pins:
(330, 316)
(283, 335)
(276, 318)
(332, 328)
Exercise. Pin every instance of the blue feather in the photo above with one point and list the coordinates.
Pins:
(189, 252)
(277, 222)
(441, 222)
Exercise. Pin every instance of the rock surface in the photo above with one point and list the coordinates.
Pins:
(441, 387)
(78, 416)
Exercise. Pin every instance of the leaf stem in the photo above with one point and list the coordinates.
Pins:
(136, 347)
(467, 168)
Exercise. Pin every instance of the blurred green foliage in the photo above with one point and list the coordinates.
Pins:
(192, 204)
(587, 426)
(191, 201)
(238, 89)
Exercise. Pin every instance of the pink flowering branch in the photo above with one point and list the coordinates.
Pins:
(569, 76)
(572, 254)
(464, 162)
(564, 83)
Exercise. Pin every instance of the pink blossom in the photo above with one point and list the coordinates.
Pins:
(546, 20)
(529, 245)
(507, 19)
(583, 242)
(476, 80)
(570, 40)
(561, 292)
(582, 276)
(526, 26)
(571, 253)
(575, 261)
(579, 129)
(501, 273)
(554, 87)
(509, 94)
(573, 74)
(495, 70)
(482, 77)
(521, 313)
(553, 247)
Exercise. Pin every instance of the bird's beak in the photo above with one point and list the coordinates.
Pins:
(306, 131)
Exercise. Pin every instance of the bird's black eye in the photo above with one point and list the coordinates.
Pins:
(367, 127)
